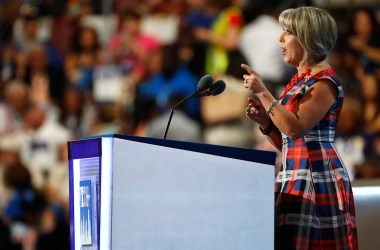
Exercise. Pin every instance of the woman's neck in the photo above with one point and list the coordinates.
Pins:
(308, 65)
(303, 67)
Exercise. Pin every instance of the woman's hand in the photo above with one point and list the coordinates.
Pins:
(256, 112)
(253, 81)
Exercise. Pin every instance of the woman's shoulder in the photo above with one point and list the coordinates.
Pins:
(326, 74)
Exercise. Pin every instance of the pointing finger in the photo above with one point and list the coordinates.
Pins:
(248, 69)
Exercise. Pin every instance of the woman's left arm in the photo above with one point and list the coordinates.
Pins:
(311, 109)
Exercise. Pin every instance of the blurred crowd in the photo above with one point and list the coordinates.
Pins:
(76, 68)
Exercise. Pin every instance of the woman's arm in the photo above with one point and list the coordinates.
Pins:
(275, 138)
(256, 112)
(310, 110)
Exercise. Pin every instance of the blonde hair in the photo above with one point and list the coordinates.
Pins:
(315, 29)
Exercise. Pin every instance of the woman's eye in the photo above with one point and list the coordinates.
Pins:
(287, 32)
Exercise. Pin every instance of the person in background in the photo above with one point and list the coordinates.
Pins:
(369, 93)
(314, 204)
(168, 78)
(364, 39)
(194, 50)
(353, 143)
(40, 140)
(222, 37)
(131, 48)
(76, 114)
(31, 34)
(9, 158)
(24, 208)
(258, 43)
(13, 108)
(81, 60)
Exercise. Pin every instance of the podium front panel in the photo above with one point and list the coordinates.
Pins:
(167, 198)
(138, 193)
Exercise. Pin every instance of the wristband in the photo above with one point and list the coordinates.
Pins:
(268, 130)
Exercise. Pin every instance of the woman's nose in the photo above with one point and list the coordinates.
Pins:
(281, 38)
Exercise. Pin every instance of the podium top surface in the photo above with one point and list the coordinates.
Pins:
(91, 147)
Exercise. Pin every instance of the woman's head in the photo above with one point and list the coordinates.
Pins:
(315, 30)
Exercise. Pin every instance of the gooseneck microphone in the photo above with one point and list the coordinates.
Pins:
(217, 88)
(205, 87)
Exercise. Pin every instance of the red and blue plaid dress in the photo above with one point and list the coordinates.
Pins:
(314, 200)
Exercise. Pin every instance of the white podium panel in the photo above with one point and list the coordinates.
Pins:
(155, 195)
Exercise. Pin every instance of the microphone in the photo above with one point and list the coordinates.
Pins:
(205, 87)
(217, 88)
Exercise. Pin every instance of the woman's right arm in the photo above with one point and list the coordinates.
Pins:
(275, 138)
(256, 112)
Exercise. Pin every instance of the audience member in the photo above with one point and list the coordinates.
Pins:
(41, 139)
(36, 31)
(13, 108)
(365, 40)
(194, 54)
(169, 78)
(352, 141)
(23, 211)
(9, 158)
(77, 115)
(259, 44)
(56, 187)
(130, 47)
(81, 60)
(222, 37)
(345, 62)
(370, 97)
(46, 82)
(106, 120)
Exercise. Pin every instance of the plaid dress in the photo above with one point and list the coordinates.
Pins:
(314, 200)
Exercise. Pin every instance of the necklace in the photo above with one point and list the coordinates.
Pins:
(296, 78)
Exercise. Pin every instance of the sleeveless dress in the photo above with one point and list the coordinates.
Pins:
(313, 195)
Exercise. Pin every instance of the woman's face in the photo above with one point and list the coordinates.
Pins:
(291, 48)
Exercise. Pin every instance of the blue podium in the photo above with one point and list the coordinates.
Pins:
(142, 193)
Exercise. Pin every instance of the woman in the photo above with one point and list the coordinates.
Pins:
(314, 201)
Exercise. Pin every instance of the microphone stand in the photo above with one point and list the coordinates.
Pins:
(175, 106)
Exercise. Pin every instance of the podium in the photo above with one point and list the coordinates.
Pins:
(141, 193)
